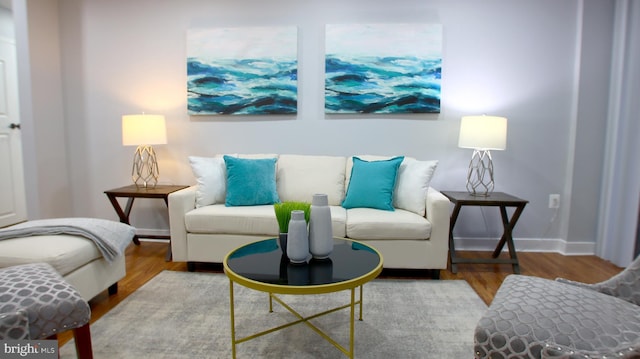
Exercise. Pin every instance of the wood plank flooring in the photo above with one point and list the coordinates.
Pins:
(148, 259)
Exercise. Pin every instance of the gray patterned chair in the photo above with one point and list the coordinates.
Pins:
(539, 318)
(37, 303)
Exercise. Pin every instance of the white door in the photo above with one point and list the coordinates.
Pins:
(13, 203)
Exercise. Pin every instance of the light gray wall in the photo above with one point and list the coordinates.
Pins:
(527, 60)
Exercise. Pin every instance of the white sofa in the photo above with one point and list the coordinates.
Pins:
(413, 236)
(76, 258)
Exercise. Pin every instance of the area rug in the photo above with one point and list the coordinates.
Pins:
(186, 315)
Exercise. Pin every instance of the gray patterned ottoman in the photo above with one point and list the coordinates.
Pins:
(36, 303)
(539, 318)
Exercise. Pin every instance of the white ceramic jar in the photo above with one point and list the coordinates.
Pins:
(298, 238)
(320, 229)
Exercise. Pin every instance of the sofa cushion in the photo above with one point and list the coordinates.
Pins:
(338, 221)
(256, 220)
(349, 168)
(409, 193)
(372, 184)
(300, 177)
(250, 181)
(414, 178)
(65, 253)
(211, 178)
(369, 223)
(218, 218)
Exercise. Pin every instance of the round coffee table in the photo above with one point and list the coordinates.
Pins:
(262, 266)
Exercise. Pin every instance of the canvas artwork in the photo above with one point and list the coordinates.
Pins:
(383, 68)
(242, 71)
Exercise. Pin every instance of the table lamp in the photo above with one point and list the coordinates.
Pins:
(482, 134)
(144, 131)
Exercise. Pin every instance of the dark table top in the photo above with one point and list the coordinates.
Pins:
(495, 198)
(139, 191)
(264, 262)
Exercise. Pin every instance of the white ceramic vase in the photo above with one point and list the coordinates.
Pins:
(298, 238)
(320, 229)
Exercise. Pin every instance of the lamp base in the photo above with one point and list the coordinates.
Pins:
(480, 175)
(144, 172)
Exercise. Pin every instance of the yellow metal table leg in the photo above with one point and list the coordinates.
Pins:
(360, 303)
(349, 352)
(351, 324)
(270, 302)
(233, 320)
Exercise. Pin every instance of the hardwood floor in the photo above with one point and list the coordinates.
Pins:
(486, 279)
(148, 259)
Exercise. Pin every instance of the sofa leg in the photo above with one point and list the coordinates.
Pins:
(435, 274)
(191, 266)
(82, 338)
(113, 289)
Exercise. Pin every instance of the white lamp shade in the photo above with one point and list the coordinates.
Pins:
(143, 130)
(483, 132)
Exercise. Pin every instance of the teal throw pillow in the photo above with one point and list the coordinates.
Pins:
(250, 181)
(372, 183)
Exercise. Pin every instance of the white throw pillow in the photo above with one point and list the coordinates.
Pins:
(211, 178)
(412, 183)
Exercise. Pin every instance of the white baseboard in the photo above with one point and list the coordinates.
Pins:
(153, 240)
(152, 232)
(529, 245)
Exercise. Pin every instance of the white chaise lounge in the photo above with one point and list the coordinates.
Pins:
(78, 259)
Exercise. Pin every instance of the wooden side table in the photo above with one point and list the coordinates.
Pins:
(496, 199)
(132, 192)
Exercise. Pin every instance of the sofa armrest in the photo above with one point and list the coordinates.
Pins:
(438, 213)
(180, 202)
(624, 285)
(574, 283)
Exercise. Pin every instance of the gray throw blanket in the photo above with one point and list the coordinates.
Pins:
(111, 237)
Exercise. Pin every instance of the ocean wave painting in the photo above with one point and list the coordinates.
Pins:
(393, 68)
(242, 71)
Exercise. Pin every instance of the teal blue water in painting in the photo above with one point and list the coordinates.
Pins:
(242, 87)
(382, 85)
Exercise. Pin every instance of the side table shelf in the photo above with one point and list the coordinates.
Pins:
(496, 199)
(132, 192)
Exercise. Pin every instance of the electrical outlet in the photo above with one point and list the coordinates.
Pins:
(554, 201)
